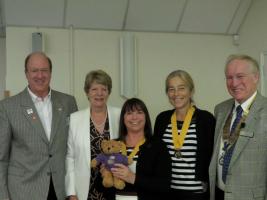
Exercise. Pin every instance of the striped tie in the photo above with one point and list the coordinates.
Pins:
(229, 152)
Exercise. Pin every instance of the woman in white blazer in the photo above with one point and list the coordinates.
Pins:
(88, 128)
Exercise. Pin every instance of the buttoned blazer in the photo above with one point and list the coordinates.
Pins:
(247, 173)
(78, 153)
(27, 157)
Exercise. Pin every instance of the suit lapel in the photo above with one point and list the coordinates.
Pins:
(221, 119)
(247, 133)
(85, 128)
(57, 112)
(31, 114)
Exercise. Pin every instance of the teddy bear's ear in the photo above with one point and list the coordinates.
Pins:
(120, 144)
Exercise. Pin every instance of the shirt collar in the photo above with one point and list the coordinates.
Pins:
(246, 104)
(36, 99)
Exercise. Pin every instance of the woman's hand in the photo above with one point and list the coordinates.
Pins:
(123, 172)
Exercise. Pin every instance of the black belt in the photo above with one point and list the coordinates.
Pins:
(126, 193)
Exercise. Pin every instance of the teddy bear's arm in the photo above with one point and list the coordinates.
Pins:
(122, 159)
(93, 163)
(99, 159)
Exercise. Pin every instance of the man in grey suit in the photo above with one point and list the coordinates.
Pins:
(33, 136)
(238, 169)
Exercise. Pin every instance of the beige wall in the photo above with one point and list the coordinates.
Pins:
(19, 45)
(253, 33)
(253, 37)
(76, 52)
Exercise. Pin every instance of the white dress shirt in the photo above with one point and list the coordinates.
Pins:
(44, 109)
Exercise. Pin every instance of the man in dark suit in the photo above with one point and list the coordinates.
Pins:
(238, 169)
(33, 136)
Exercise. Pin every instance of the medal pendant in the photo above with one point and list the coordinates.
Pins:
(177, 153)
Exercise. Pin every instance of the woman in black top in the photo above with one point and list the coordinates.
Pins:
(148, 176)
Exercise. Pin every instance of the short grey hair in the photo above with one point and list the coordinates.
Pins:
(251, 61)
(98, 76)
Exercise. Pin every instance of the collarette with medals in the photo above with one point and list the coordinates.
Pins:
(231, 138)
(178, 138)
(135, 150)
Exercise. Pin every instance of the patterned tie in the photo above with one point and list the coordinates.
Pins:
(229, 152)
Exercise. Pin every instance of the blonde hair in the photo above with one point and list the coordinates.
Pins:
(182, 75)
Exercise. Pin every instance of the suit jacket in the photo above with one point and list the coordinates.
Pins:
(27, 158)
(78, 163)
(247, 173)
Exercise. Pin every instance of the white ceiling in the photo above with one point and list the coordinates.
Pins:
(181, 16)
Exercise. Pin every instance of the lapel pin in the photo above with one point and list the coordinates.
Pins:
(59, 109)
(29, 111)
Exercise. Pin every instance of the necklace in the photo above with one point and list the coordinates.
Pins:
(101, 125)
(98, 125)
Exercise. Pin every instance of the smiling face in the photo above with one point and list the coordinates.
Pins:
(98, 95)
(179, 93)
(241, 81)
(135, 120)
(38, 74)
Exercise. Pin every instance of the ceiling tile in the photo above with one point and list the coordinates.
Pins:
(190, 16)
(154, 15)
(208, 16)
(239, 16)
(96, 14)
(34, 12)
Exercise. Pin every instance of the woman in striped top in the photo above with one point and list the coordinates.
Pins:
(188, 134)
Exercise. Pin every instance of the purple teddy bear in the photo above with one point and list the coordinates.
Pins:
(110, 156)
(110, 159)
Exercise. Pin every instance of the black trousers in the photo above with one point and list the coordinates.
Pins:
(219, 194)
(185, 195)
(51, 193)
